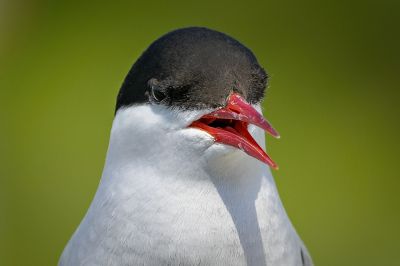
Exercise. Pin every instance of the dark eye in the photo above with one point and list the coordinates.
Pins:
(157, 94)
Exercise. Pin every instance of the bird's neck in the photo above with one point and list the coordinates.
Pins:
(160, 164)
(230, 200)
(191, 197)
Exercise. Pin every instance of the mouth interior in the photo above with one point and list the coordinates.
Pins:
(225, 124)
(237, 127)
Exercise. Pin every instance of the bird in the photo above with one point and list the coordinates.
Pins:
(186, 179)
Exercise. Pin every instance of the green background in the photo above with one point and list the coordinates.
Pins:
(333, 96)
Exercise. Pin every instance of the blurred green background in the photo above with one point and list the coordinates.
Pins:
(334, 97)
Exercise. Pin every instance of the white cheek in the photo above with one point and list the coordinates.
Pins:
(195, 138)
(218, 151)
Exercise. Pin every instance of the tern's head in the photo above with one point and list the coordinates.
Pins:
(193, 89)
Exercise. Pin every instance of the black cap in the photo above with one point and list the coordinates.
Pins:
(193, 68)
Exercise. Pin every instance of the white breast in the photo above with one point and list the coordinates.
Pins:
(173, 198)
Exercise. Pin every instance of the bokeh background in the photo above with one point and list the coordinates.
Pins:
(333, 95)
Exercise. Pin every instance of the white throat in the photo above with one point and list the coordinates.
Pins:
(169, 194)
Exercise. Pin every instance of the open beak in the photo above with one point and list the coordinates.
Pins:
(228, 125)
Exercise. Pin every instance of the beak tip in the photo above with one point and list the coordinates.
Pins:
(275, 167)
(270, 163)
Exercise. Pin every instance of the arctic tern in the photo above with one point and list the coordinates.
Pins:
(186, 179)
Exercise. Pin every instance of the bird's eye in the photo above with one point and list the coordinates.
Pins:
(156, 92)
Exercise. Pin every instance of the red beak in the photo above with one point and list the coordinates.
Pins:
(228, 125)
